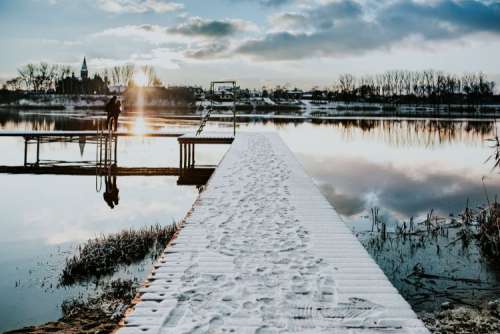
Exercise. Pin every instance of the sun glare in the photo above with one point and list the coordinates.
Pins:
(139, 126)
(140, 79)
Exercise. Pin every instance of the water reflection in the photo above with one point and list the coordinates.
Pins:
(355, 185)
(47, 210)
(393, 131)
(404, 166)
(111, 192)
(139, 126)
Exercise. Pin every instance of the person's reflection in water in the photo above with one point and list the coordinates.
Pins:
(111, 196)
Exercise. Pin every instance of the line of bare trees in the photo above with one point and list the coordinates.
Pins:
(433, 87)
(43, 77)
(38, 77)
(124, 75)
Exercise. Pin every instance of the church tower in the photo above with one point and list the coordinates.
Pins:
(84, 73)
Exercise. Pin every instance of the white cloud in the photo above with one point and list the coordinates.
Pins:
(138, 6)
(160, 58)
(192, 29)
(346, 27)
(153, 34)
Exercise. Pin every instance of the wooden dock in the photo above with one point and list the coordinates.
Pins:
(263, 251)
(69, 134)
(187, 145)
(108, 143)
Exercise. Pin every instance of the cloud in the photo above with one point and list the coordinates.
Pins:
(210, 51)
(138, 6)
(345, 204)
(193, 28)
(346, 27)
(160, 58)
(268, 3)
(322, 17)
(197, 26)
(149, 33)
(196, 38)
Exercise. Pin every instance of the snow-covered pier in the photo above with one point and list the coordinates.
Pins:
(263, 251)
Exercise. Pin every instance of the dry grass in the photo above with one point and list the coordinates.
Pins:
(104, 255)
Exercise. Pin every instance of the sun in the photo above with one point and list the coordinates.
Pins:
(140, 79)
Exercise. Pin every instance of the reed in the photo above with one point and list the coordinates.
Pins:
(104, 255)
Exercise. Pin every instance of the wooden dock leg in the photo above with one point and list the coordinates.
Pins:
(37, 151)
(25, 151)
(185, 155)
(180, 158)
(193, 155)
(189, 155)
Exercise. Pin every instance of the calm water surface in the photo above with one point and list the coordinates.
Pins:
(404, 167)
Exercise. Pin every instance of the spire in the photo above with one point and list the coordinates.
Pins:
(84, 72)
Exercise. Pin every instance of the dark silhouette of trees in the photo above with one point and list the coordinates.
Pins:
(416, 87)
(38, 78)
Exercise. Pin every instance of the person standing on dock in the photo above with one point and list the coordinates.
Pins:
(116, 113)
(113, 109)
(110, 107)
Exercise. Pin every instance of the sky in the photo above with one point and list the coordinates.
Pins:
(299, 43)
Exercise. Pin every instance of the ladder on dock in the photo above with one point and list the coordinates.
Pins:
(204, 120)
(106, 152)
(206, 117)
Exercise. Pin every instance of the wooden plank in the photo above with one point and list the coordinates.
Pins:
(36, 134)
(119, 171)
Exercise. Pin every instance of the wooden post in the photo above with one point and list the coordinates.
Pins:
(193, 156)
(234, 120)
(185, 156)
(37, 151)
(189, 155)
(25, 151)
(234, 109)
(180, 157)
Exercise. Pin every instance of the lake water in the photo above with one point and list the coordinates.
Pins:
(404, 167)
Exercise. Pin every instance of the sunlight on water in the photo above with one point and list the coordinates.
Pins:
(139, 126)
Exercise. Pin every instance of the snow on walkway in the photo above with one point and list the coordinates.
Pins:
(262, 251)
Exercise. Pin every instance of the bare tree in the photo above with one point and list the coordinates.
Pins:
(127, 72)
(14, 84)
(27, 75)
(151, 78)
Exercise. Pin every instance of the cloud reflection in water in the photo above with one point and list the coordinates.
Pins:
(353, 185)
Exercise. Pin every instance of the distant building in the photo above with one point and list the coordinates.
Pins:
(84, 73)
(84, 84)
(294, 94)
